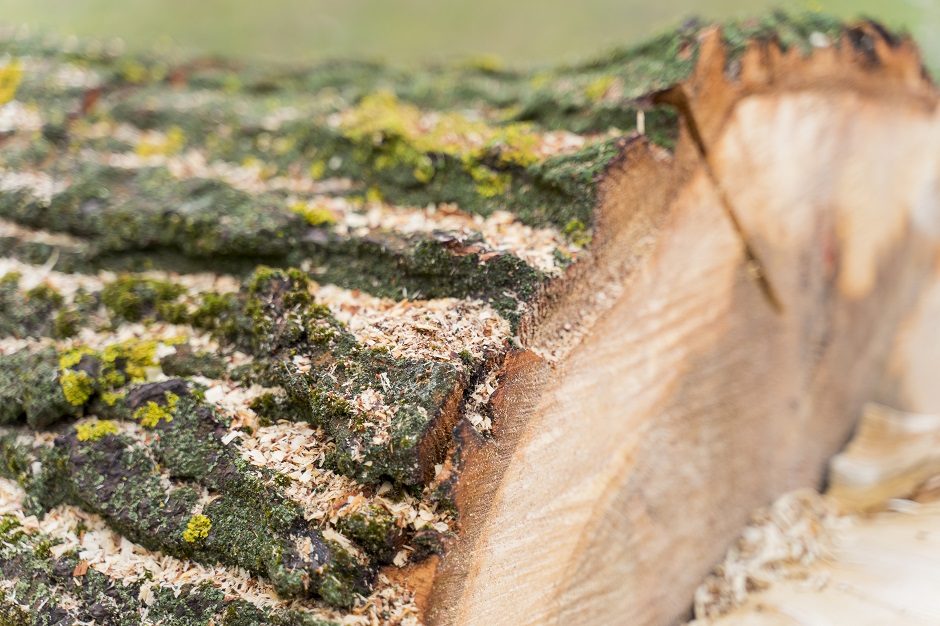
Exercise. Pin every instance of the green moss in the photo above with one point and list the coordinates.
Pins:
(197, 528)
(95, 430)
(46, 293)
(133, 298)
(373, 528)
(66, 324)
(276, 319)
(10, 280)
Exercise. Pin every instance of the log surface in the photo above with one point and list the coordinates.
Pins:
(351, 344)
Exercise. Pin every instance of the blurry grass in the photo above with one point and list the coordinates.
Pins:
(405, 31)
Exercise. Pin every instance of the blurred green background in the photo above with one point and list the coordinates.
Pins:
(521, 32)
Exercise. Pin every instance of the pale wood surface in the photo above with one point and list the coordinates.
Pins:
(880, 571)
(891, 454)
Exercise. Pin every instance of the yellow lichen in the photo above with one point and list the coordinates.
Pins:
(111, 397)
(11, 75)
(577, 232)
(73, 356)
(315, 214)
(162, 145)
(490, 183)
(518, 144)
(373, 194)
(136, 354)
(424, 169)
(407, 136)
(95, 430)
(197, 528)
(134, 71)
(317, 169)
(598, 88)
(77, 387)
(151, 414)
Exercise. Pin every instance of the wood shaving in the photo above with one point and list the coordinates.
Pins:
(780, 541)
(500, 231)
(40, 185)
(34, 275)
(417, 329)
(16, 116)
(478, 400)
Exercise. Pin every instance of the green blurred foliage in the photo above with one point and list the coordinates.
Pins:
(405, 31)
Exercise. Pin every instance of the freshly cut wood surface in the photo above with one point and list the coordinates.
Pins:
(891, 454)
(871, 570)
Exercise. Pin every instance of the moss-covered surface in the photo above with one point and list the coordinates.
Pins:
(308, 353)
(38, 311)
(44, 581)
(145, 218)
(249, 524)
(467, 135)
(298, 346)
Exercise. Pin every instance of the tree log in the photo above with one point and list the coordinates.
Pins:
(461, 345)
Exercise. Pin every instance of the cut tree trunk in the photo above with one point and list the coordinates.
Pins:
(461, 345)
(753, 291)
